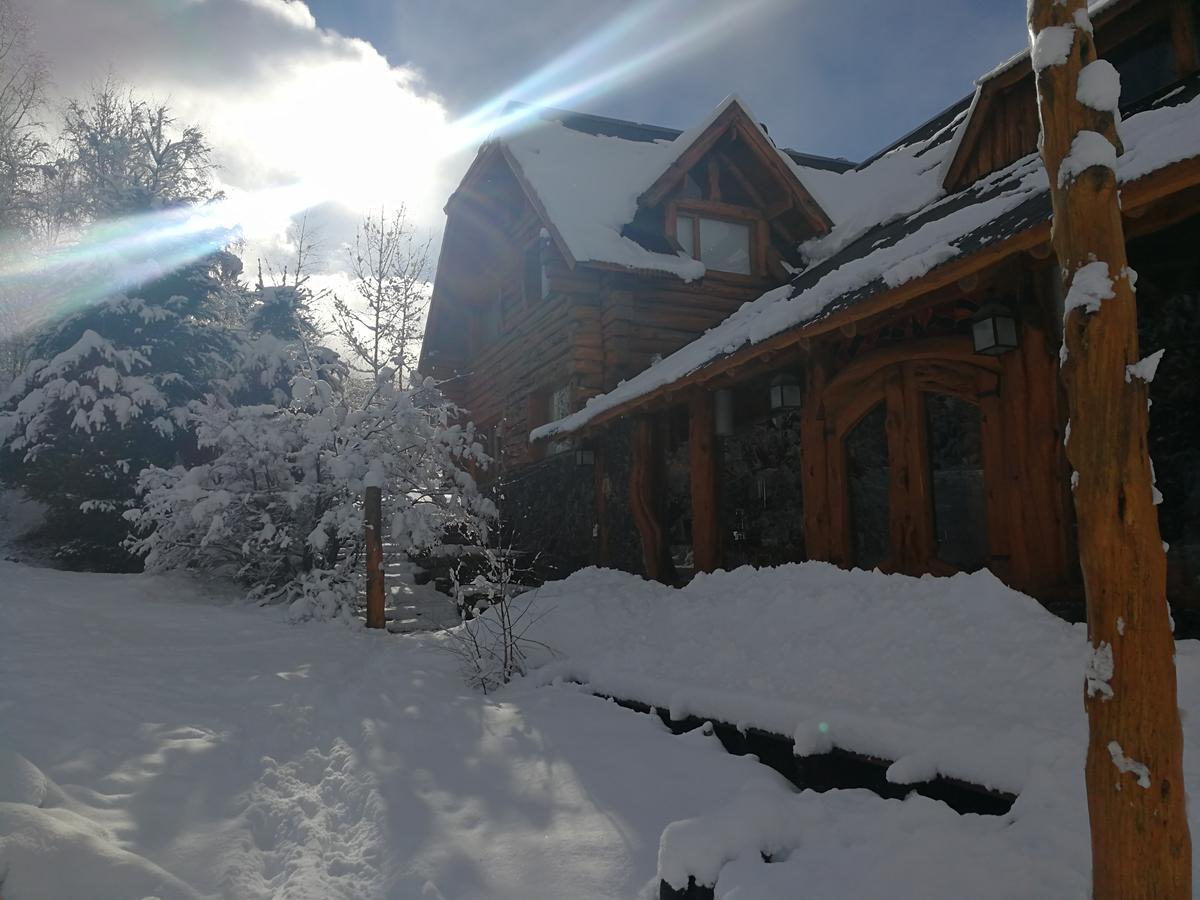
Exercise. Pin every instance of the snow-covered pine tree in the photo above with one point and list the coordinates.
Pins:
(104, 397)
(104, 393)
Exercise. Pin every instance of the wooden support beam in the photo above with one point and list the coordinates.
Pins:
(814, 453)
(644, 502)
(702, 451)
(1141, 847)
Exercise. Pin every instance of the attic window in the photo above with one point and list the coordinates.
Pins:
(1146, 64)
(533, 274)
(720, 244)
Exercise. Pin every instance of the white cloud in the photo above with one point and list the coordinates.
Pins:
(281, 99)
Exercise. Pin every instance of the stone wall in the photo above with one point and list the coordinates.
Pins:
(548, 510)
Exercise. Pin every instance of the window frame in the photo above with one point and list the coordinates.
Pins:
(534, 250)
(721, 212)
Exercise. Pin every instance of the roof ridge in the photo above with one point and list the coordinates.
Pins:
(554, 113)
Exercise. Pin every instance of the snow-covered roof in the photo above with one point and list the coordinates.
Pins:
(588, 172)
(896, 225)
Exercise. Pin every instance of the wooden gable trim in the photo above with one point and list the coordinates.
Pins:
(735, 117)
(536, 202)
(1149, 189)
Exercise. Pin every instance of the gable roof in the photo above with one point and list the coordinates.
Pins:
(689, 148)
(917, 229)
(585, 175)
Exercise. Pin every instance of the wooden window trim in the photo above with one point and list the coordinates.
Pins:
(727, 212)
(535, 246)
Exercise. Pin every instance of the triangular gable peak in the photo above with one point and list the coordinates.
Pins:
(730, 159)
(1152, 43)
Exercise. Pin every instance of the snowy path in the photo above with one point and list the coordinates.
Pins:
(248, 758)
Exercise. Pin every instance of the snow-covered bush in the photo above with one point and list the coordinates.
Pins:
(277, 504)
(492, 640)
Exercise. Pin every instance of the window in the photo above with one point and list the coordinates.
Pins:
(956, 469)
(1146, 64)
(559, 408)
(720, 244)
(533, 274)
(869, 472)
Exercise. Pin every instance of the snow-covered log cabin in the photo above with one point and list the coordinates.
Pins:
(698, 350)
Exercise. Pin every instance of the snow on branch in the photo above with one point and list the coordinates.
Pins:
(1099, 86)
(1145, 369)
(1089, 288)
(1088, 150)
(1125, 764)
(1100, 671)
(1052, 46)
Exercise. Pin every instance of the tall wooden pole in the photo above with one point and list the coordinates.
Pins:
(1135, 788)
(373, 517)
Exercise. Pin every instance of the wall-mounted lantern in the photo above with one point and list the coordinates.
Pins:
(785, 392)
(723, 413)
(585, 456)
(994, 330)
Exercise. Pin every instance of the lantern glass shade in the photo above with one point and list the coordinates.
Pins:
(994, 330)
(585, 457)
(723, 413)
(785, 392)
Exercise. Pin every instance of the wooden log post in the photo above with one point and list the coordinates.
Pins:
(644, 502)
(1135, 788)
(702, 452)
(373, 519)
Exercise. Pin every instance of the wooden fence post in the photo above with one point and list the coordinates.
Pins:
(373, 518)
(1135, 788)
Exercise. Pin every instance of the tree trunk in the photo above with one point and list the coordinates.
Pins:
(1135, 788)
(373, 516)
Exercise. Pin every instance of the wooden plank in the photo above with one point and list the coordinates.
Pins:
(702, 452)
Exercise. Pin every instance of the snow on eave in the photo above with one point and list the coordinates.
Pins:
(956, 141)
(588, 215)
(1154, 139)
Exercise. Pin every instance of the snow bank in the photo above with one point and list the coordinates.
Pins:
(852, 844)
(195, 749)
(959, 676)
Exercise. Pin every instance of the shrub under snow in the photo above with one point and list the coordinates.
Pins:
(278, 503)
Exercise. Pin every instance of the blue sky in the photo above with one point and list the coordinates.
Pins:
(839, 77)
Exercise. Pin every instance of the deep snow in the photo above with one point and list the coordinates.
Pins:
(193, 746)
(161, 739)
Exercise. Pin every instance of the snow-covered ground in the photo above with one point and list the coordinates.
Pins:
(178, 744)
(161, 739)
(958, 676)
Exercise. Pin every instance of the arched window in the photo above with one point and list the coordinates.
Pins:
(954, 441)
(867, 475)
